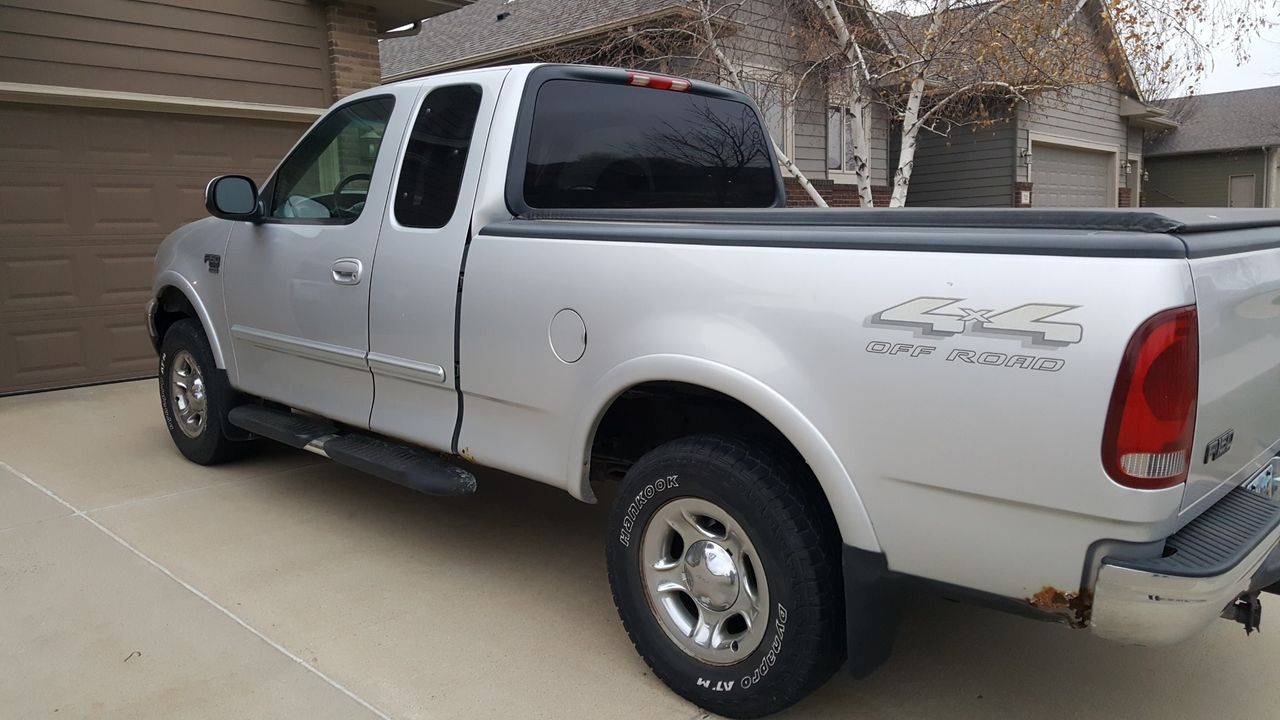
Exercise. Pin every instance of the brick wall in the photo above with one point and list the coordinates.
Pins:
(1125, 198)
(353, 47)
(1018, 189)
(836, 194)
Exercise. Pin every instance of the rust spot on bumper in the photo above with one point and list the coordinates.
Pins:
(1071, 606)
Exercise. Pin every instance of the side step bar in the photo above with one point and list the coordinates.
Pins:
(398, 462)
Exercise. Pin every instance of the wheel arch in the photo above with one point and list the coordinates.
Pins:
(176, 298)
(784, 418)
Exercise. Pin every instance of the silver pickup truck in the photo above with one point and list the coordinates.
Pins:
(584, 276)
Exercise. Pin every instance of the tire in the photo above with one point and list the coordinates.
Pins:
(778, 534)
(196, 418)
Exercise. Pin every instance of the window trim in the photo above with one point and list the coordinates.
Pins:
(524, 122)
(843, 174)
(267, 191)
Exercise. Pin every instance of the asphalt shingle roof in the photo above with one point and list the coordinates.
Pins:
(1221, 121)
(474, 30)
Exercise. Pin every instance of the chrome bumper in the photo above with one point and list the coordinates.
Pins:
(1167, 600)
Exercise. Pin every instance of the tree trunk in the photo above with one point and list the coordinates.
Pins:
(861, 154)
(911, 115)
(910, 138)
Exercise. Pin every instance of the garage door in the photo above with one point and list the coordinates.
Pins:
(1070, 177)
(86, 195)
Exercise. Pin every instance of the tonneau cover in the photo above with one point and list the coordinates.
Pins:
(1178, 221)
(1172, 233)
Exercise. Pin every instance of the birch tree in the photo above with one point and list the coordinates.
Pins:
(937, 65)
(934, 66)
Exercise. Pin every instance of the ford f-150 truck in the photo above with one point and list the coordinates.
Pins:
(585, 276)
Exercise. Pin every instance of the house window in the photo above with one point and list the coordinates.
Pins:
(771, 98)
(840, 156)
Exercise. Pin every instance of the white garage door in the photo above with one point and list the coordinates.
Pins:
(1071, 177)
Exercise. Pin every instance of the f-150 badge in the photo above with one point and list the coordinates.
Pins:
(945, 316)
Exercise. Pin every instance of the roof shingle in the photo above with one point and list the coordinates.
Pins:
(1221, 121)
(475, 31)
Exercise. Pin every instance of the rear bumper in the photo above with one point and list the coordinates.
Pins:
(1228, 551)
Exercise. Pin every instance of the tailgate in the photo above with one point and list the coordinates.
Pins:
(1238, 418)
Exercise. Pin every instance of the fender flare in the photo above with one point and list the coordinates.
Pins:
(846, 504)
(171, 278)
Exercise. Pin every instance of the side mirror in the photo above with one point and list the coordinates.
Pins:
(232, 197)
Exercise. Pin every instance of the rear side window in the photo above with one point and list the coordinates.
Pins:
(431, 176)
(595, 145)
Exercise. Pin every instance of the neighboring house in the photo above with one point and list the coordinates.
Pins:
(1082, 147)
(1224, 153)
(113, 116)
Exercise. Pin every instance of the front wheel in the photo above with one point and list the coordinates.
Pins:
(724, 569)
(195, 396)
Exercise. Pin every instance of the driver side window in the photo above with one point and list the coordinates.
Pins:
(327, 176)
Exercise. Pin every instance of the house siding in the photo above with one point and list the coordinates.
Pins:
(972, 167)
(1201, 180)
(1088, 115)
(267, 51)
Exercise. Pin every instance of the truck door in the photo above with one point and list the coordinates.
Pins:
(297, 283)
(414, 297)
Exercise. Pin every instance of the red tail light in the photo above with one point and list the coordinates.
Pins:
(1147, 441)
(658, 82)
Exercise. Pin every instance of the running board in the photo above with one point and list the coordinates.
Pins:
(403, 464)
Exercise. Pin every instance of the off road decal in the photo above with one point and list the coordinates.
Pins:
(642, 498)
(944, 316)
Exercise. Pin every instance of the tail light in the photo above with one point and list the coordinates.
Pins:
(1147, 441)
(658, 82)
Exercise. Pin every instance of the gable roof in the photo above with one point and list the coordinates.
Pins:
(907, 34)
(474, 33)
(1221, 121)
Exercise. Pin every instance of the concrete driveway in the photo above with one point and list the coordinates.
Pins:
(136, 585)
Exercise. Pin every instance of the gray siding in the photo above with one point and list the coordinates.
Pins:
(880, 141)
(973, 167)
(269, 51)
(1200, 180)
(810, 117)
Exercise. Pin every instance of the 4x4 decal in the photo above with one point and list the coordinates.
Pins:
(945, 316)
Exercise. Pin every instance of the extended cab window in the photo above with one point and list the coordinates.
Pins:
(594, 145)
(327, 176)
(431, 176)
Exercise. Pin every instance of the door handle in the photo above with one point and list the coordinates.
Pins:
(347, 271)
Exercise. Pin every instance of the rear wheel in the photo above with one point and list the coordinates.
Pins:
(196, 396)
(724, 569)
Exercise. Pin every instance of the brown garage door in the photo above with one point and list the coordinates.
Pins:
(86, 195)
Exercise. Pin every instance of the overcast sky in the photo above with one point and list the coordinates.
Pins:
(1263, 68)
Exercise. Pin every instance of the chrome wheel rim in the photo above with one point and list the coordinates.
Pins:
(187, 398)
(704, 581)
